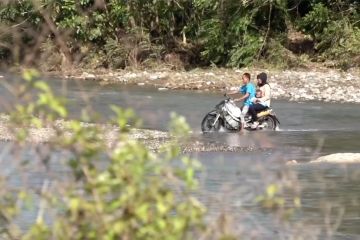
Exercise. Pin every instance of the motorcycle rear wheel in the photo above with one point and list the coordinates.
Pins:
(207, 124)
(268, 122)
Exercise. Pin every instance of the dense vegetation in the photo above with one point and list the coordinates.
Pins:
(234, 33)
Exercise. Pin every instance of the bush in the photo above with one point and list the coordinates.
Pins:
(128, 33)
(335, 35)
(118, 192)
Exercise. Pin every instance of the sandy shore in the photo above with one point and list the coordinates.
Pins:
(296, 85)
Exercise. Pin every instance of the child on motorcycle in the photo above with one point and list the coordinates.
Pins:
(258, 94)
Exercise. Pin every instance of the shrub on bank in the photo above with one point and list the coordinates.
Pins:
(128, 33)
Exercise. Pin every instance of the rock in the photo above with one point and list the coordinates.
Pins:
(121, 79)
(141, 84)
(291, 162)
(154, 77)
(88, 76)
(1, 76)
(210, 74)
(163, 89)
(339, 158)
(130, 75)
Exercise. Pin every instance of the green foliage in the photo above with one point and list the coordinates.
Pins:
(86, 24)
(46, 106)
(127, 33)
(335, 29)
(272, 199)
(138, 194)
(317, 20)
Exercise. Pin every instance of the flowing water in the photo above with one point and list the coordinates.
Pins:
(330, 194)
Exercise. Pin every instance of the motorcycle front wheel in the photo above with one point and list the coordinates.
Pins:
(208, 125)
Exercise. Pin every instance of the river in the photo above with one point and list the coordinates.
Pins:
(330, 194)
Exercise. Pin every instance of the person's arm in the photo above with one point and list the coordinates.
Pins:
(232, 92)
(242, 98)
(241, 90)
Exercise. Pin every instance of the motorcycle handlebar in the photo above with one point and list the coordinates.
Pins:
(227, 96)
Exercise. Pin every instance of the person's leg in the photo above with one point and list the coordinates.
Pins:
(252, 112)
(255, 109)
(244, 111)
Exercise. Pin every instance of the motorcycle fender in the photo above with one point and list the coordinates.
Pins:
(214, 113)
(276, 119)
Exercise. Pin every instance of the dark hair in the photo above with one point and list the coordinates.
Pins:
(247, 75)
(263, 77)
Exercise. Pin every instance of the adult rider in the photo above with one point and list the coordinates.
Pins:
(263, 102)
(248, 91)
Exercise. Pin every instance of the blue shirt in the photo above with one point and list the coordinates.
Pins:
(248, 88)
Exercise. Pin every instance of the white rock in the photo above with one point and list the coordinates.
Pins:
(130, 75)
(122, 79)
(88, 76)
(316, 91)
(210, 74)
(141, 84)
(339, 158)
(291, 162)
(163, 89)
(154, 77)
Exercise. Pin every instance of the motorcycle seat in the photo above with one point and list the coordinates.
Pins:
(265, 112)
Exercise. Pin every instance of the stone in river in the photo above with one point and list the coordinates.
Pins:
(339, 158)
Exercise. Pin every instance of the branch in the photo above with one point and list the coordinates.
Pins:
(267, 31)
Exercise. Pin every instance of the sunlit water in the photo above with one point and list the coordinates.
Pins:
(231, 181)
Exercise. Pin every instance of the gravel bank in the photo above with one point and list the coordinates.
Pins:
(153, 139)
(296, 85)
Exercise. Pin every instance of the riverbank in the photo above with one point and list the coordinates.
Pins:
(320, 84)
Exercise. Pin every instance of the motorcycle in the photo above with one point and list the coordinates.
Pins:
(227, 115)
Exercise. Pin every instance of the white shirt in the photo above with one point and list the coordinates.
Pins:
(266, 95)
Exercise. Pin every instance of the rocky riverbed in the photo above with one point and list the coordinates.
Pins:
(296, 85)
(153, 139)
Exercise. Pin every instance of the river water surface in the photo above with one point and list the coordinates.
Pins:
(330, 193)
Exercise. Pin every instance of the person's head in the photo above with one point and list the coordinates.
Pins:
(258, 93)
(246, 78)
(261, 79)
